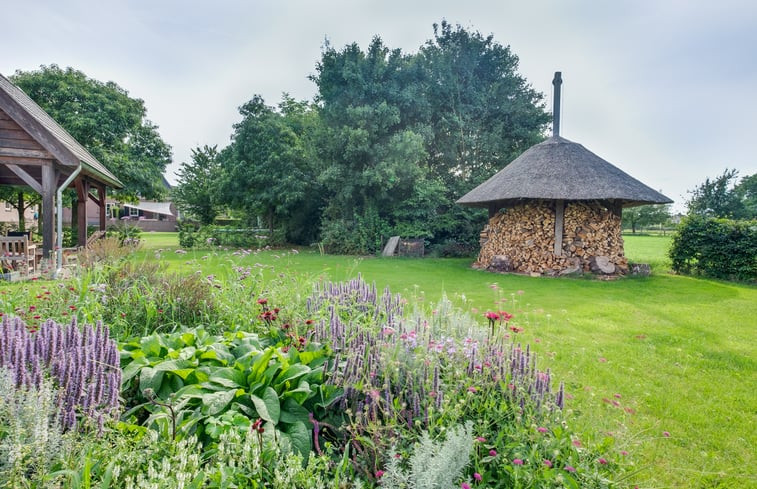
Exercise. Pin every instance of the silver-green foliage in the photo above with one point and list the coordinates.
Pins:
(433, 465)
(30, 438)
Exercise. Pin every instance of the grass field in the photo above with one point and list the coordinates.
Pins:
(643, 358)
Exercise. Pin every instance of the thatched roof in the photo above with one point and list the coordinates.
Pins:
(558, 169)
(33, 119)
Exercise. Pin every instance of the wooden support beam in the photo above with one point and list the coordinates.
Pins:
(48, 210)
(82, 193)
(12, 160)
(101, 203)
(559, 220)
(28, 179)
(26, 153)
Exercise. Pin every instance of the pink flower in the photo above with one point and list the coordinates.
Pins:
(517, 461)
(602, 461)
(379, 473)
(548, 463)
(623, 452)
(464, 485)
(491, 316)
(472, 389)
(492, 453)
(477, 477)
(666, 434)
(481, 439)
(569, 468)
(542, 429)
(602, 360)
(576, 443)
(617, 396)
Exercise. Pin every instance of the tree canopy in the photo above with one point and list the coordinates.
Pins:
(195, 193)
(724, 197)
(106, 121)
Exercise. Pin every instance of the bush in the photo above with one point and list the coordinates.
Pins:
(718, 248)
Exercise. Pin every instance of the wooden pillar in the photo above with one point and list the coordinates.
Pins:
(559, 218)
(82, 195)
(101, 198)
(48, 210)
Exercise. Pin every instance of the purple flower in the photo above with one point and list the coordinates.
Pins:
(492, 453)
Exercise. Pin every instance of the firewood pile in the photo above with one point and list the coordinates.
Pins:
(521, 239)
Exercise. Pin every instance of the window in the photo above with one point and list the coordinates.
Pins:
(8, 206)
(133, 212)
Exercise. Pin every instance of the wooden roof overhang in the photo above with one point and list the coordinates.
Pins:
(35, 151)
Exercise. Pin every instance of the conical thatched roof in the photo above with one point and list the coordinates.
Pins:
(561, 170)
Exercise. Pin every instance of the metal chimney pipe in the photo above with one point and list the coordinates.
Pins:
(556, 83)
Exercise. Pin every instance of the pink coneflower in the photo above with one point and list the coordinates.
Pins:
(477, 477)
(542, 429)
(492, 453)
(464, 485)
(548, 463)
(517, 461)
(569, 468)
(379, 473)
(481, 439)
(602, 461)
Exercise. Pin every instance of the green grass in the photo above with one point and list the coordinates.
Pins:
(679, 351)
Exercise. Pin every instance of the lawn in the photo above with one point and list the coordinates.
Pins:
(664, 365)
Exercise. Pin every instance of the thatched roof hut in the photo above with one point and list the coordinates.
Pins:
(550, 182)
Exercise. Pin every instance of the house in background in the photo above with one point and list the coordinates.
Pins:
(9, 215)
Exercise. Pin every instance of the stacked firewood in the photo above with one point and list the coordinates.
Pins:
(522, 239)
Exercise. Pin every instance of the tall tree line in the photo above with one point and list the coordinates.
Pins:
(391, 140)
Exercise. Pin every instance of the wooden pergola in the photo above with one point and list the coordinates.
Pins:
(35, 151)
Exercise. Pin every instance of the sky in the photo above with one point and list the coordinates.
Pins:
(665, 90)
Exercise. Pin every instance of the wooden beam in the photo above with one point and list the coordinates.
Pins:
(37, 130)
(28, 179)
(48, 210)
(101, 203)
(26, 153)
(12, 160)
(82, 193)
(559, 218)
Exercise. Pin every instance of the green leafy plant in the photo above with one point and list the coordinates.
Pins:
(217, 383)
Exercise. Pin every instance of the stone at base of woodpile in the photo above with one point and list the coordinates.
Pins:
(640, 269)
(500, 263)
(601, 264)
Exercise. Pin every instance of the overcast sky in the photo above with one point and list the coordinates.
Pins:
(665, 90)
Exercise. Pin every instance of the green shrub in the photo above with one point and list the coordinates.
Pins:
(718, 248)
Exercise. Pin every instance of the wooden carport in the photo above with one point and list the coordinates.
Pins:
(37, 152)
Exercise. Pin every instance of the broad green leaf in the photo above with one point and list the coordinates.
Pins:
(149, 378)
(268, 406)
(228, 377)
(300, 394)
(151, 345)
(292, 412)
(133, 368)
(215, 402)
(299, 436)
(291, 374)
(260, 363)
(188, 338)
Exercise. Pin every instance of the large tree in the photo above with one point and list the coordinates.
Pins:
(719, 198)
(20, 199)
(106, 121)
(266, 169)
(195, 193)
(408, 134)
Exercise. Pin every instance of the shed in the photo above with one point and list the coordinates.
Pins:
(557, 209)
(37, 152)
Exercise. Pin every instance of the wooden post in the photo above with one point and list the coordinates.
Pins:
(559, 217)
(101, 198)
(48, 209)
(82, 194)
